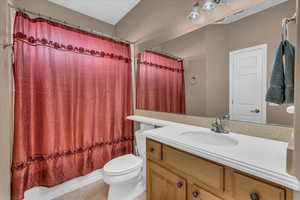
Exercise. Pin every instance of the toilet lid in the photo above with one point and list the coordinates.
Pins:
(123, 165)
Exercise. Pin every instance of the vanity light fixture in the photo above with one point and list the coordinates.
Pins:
(195, 13)
(210, 5)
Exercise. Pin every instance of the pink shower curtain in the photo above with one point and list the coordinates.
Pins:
(73, 93)
(160, 83)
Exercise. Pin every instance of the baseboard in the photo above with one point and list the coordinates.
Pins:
(38, 193)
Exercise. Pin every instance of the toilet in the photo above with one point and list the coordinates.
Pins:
(126, 175)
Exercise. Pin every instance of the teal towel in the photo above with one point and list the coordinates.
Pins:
(289, 52)
(281, 88)
(276, 90)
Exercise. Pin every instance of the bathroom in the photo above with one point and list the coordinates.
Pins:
(149, 100)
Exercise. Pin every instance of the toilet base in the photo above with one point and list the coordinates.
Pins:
(126, 190)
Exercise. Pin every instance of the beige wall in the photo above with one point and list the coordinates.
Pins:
(296, 159)
(50, 9)
(217, 84)
(195, 90)
(214, 42)
(5, 103)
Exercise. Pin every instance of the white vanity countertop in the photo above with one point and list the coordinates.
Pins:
(260, 157)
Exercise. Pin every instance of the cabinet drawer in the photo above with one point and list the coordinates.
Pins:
(197, 193)
(153, 150)
(205, 171)
(246, 188)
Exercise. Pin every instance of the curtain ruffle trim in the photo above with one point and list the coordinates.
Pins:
(63, 47)
(160, 66)
(39, 19)
(39, 158)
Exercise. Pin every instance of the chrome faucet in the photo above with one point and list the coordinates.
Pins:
(217, 125)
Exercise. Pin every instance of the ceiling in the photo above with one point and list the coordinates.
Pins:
(109, 11)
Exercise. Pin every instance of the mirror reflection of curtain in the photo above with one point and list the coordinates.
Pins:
(73, 93)
(160, 83)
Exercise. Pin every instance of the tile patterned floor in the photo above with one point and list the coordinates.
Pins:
(95, 191)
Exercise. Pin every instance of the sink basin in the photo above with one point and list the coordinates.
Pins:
(208, 138)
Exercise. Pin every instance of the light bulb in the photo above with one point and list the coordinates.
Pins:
(209, 5)
(194, 14)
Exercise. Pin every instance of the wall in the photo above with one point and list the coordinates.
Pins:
(296, 163)
(5, 102)
(195, 92)
(217, 84)
(214, 42)
(296, 159)
(50, 9)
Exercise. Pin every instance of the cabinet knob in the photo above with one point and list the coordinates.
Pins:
(254, 196)
(152, 149)
(179, 184)
(195, 194)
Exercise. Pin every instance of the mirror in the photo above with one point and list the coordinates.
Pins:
(223, 68)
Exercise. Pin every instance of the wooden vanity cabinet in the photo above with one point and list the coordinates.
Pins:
(165, 185)
(173, 174)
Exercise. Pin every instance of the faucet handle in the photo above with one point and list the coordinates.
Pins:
(215, 122)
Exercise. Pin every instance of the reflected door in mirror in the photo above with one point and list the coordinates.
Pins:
(248, 84)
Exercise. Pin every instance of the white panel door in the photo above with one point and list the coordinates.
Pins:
(248, 84)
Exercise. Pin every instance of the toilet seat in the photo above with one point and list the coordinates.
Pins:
(123, 165)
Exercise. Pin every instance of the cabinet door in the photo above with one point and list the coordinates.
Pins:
(163, 184)
(197, 193)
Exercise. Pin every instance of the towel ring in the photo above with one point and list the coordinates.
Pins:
(284, 30)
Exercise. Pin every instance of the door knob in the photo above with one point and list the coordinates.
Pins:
(195, 194)
(255, 111)
(152, 149)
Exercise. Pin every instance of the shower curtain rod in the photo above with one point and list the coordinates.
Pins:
(165, 53)
(70, 24)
